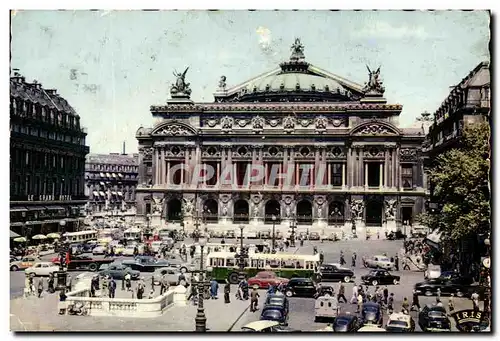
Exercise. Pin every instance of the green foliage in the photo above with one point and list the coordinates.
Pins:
(461, 179)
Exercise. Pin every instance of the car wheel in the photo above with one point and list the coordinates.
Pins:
(14, 268)
(233, 278)
(347, 279)
(428, 293)
(460, 294)
(374, 282)
(395, 281)
(289, 293)
(93, 267)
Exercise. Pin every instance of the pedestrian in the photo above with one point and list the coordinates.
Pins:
(354, 297)
(341, 294)
(214, 289)
(360, 303)
(390, 304)
(105, 285)
(151, 294)
(153, 283)
(396, 262)
(140, 288)
(415, 304)
(386, 294)
(50, 288)
(163, 284)
(405, 306)
(342, 260)
(406, 265)
(112, 288)
(69, 283)
(128, 282)
(227, 292)
(439, 303)
(321, 257)
(475, 301)
(93, 286)
(451, 304)
(40, 287)
(315, 250)
(254, 301)
(438, 293)
(62, 302)
(194, 294)
(271, 289)
(353, 261)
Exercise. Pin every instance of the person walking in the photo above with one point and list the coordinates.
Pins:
(105, 286)
(40, 287)
(386, 294)
(140, 288)
(475, 301)
(353, 260)
(354, 297)
(227, 292)
(341, 294)
(451, 304)
(112, 288)
(342, 259)
(214, 289)
(396, 262)
(406, 265)
(69, 283)
(50, 288)
(360, 303)
(390, 304)
(254, 300)
(128, 282)
(321, 257)
(163, 284)
(405, 306)
(415, 304)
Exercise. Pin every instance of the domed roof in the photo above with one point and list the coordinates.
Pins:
(294, 80)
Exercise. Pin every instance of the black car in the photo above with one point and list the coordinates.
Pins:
(455, 285)
(300, 287)
(371, 313)
(335, 272)
(274, 313)
(376, 277)
(277, 301)
(345, 323)
(145, 263)
(433, 318)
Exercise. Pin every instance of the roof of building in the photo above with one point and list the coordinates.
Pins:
(113, 158)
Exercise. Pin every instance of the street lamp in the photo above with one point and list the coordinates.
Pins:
(293, 226)
(241, 275)
(201, 319)
(64, 249)
(273, 217)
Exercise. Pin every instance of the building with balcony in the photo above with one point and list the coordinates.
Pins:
(467, 103)
(296, 143)
(47, 160)
(110, 184)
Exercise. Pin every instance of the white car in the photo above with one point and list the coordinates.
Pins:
(382, 262)
(172, 275)
(99, 250)
(128, 250)
(42, 269)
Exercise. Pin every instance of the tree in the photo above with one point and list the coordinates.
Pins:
(461, 179)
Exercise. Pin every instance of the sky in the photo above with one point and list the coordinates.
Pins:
(112, 66)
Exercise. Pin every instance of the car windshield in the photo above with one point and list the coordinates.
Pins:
(437, 315)
(370, 309)
(339, 321)
(271, 314)
(373, 273)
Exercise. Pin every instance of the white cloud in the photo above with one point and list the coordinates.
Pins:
(382, 29)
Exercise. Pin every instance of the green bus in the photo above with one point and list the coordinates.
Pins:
(224, 265)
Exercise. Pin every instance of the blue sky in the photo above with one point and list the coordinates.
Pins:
(111, 66)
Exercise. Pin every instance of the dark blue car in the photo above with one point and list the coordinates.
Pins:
(371, 313)
(274, 313)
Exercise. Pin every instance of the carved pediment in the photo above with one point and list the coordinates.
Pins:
(375, 128)
(174, 129)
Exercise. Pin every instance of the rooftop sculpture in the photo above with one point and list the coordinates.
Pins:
(374, 86)
(180, 88)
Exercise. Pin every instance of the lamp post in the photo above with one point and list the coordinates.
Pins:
(273, 240)
(64, 249)
(241, 275)
(293, 226)
(201, 319)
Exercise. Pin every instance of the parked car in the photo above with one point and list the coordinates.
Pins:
(399, 322)
(265, 278)
(300, 287)
(83, 262)
(458, 286)
(314, 236)
(433, 318)
(24, 263)
(382, 262)
(345, 323)
(278, 300)
(118, 271)
(230, 234)
(172, 275)
(42, 269)
(335, 272)
(376, 277)
(146, 263)
(266, 326)
(274, 313)
(371, 313)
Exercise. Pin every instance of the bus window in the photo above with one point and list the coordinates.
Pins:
(299, 266)
(230, 262)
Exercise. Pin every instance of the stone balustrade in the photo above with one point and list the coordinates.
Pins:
(128, 307)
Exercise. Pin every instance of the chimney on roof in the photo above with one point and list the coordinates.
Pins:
(123, 150)
(51, 92)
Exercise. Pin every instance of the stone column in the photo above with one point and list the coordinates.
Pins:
(329, 175)
(386, 167)
(291, 163)
(187, 170)
(365, 182)
(361, 168)
(314, 172)
(381, 175)
(414, 174)
(163, 170)
(343, 175)
(154, 166)
(166, 173)
(230, 165)
(284, 169)
(397, 170)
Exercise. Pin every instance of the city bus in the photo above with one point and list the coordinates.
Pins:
(133, 233)
(81, 237)
(225, 265)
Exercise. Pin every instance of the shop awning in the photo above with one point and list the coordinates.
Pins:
(102, 194)
(13, 234)
(38, 208)
(18, 209)
(54, 208)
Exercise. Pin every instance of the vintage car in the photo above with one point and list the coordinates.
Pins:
(265, 278)
(278, 300)
(300, 287)
(345, 323)
(325, 308)
(379, 262)
(334, 272)
(172, 275)
(376, 277)
(458, 286)
(24, 263)
(314, 236)
(433, 318)
(118, 271)
(330, 237)
(146, 263)
(266, 326)
(399, 322)
(371, 313)
(324, 290)
(83, 262)
(274, 313)
(42, 269)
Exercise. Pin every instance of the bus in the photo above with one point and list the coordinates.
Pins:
(224, 265)
(81, 237)
(133, 233)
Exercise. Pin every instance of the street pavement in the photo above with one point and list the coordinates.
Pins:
(223, 317)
